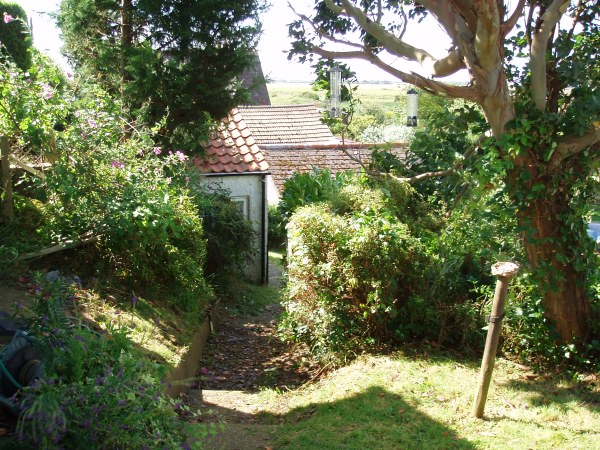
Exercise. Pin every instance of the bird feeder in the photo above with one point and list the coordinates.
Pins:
(412, 106)
(335, 93)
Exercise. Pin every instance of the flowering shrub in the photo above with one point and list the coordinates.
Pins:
(133, 196)
(96, 393)
(31, 103)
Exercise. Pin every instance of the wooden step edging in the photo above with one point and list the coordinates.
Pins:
(187, 370)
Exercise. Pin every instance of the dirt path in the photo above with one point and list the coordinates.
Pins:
(243, 359)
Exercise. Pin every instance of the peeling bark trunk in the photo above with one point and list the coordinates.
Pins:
(563, 287)
(564, 296)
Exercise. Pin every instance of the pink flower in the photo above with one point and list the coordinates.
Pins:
(92, 123)
(117, 164)
(8, 18)
(180, 156)
(83, 135)
(69, 75)
(156, 150)
(47, 91)
(187, 179)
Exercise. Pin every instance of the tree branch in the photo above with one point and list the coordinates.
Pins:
(442, 173)
(422, 176)
(431, 86)
(448, 65)
(322, 33)
(539, 45)
(487, 47)
(510, 23)
(573, 145)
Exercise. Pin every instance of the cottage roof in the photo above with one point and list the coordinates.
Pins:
(253, 79)
(285, 160)
(287, 124)
(232, 149)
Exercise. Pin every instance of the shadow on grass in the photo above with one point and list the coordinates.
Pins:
(554, 391)
(373, 419)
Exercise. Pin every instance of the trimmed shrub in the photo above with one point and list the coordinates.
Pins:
(347, 277)
(15, 39)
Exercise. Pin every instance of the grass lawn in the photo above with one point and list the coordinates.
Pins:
(402, 402)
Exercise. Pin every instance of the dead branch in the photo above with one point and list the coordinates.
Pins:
(86, 239)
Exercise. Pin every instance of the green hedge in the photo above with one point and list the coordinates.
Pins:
(347, 277)
(15, 39)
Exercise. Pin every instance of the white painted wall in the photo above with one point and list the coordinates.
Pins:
(248, 190)
(272, 192)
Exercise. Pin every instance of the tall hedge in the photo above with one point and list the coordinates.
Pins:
(15, 38)
(347, 276)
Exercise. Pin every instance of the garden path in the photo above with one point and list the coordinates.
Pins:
(240, 362)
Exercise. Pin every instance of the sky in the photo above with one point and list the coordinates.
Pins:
(273, 45)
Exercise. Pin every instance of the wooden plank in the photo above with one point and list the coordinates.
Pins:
(7, 203)
(58, 248)
(26, 167)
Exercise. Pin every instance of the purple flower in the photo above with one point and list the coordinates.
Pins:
(83, 135)
(8, 18)
(180, 156)
(157, 150)
(117, 164)
(92, 123)
(134, 300)
(69, 75)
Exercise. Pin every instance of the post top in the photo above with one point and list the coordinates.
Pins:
(505, 269)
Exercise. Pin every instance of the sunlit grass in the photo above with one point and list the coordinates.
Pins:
(382, 95)
(397, 402)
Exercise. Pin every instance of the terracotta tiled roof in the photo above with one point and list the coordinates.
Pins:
(232, 149)
(285, 160)
(288, 124)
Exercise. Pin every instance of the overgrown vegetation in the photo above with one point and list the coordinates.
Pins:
(376, 261)
(97, 390)
(154, 236)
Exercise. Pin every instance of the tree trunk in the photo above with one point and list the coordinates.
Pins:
(549, 251)
(550, 255)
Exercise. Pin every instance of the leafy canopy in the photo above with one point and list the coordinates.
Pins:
(165, 58)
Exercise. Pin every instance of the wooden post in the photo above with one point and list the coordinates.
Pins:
(504, 271)
(7, 207)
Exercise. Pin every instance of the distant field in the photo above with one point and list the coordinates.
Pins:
(388, 96)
